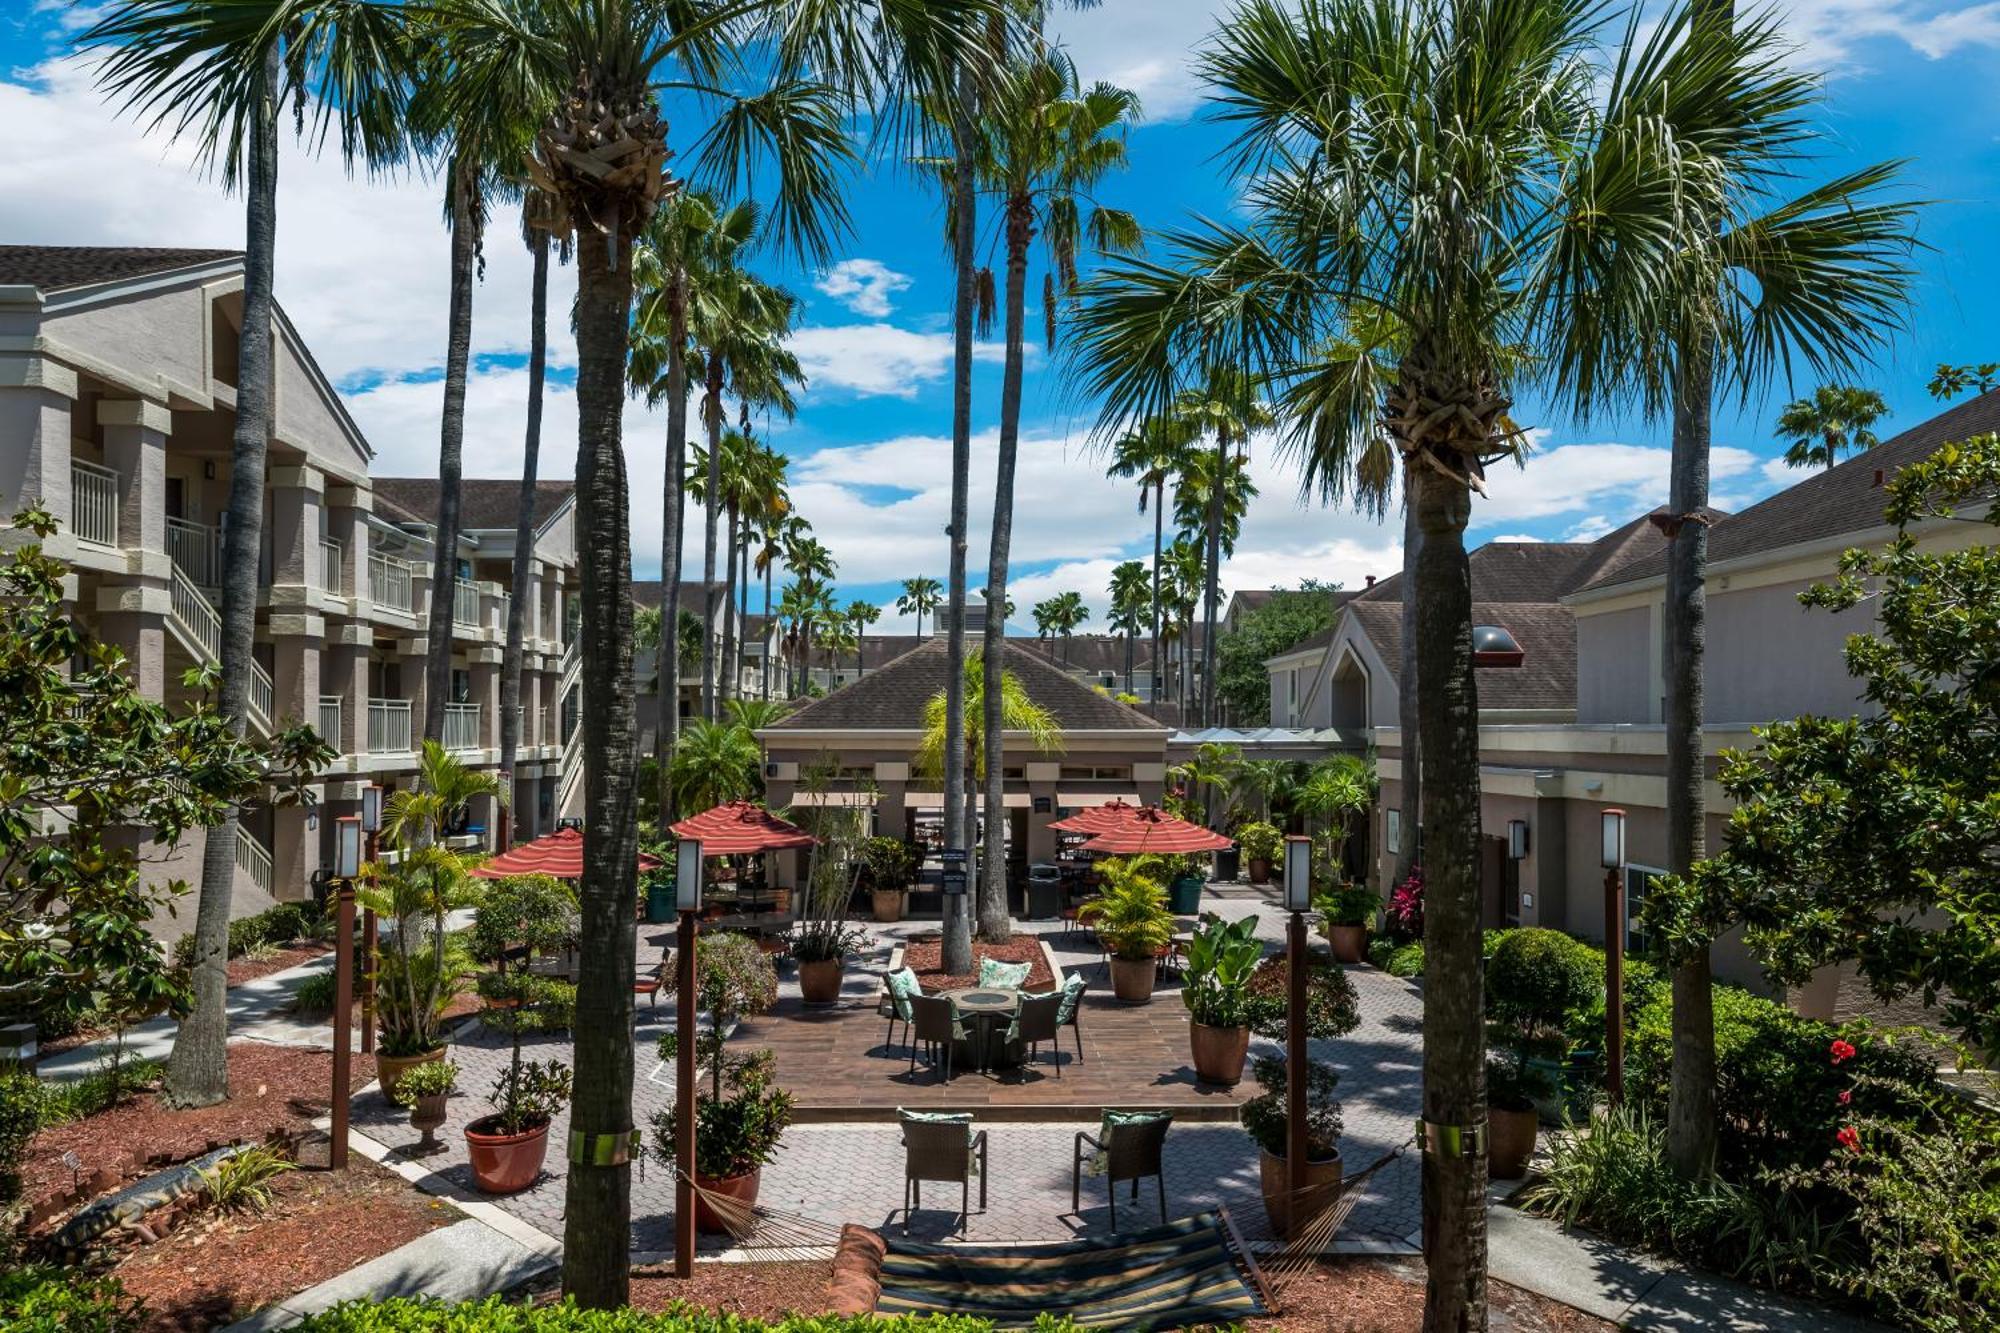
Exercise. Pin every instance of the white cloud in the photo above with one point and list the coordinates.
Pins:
(1517, 537)
(1782, 475)
(863, 285)
(1608, 483)
(1840, 33)
(1590, 529)
(879, 360)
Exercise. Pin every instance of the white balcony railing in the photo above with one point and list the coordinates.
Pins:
(390, 583)
(199, 626)
(388, 726)
(196, 550)
(329, 722)
(465, 603)
(93, 502)
(253, 860)
(461, 727)
(332, 564)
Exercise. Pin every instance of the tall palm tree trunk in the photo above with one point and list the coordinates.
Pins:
(465, 228)
(1408, 712)
(742, 610)
(957, 947)
(1691, 1128)
(726, 685)
(995, 923)
(598, 1202)
(198, 1071)
(1454, 1094)
(1129, 654)
(766, 637)
(1212, 578)
(672, 530)
(1159, 531)
(524, 518)
(710, 505)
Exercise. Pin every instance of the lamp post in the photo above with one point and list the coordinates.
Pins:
(371, 829)
(346, 865)
(1614, 954)
(687, 895)
(1298, 897)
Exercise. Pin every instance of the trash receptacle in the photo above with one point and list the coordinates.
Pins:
(1044, 892)
(1228, 863)
(660, 899)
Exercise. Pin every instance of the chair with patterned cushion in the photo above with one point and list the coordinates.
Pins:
(1070, 1013)
(936, 1027)
(941, 1146)
(1035, 1023)
(1131, 1143)
(897, 988)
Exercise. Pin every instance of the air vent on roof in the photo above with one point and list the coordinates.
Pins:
(1493, 646)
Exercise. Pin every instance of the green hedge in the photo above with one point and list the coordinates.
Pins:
(494, 1315)
(1538, 977)
(39, 1298)
(274, 925)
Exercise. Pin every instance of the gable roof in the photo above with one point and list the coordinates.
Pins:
(1505, 572)
(1829, 503)
(1546, 632)
(484, 503)
(54, 268)
(648, 592)
(894, 698)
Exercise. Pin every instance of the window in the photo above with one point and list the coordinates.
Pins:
(1637, 880)
(1101, 772)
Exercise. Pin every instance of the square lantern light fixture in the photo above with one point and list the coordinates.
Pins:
(687, 875)
(1393, 828)
(1298, 873)
(1614, 838)
(371, 808)
(347, 847)
(1517, 839)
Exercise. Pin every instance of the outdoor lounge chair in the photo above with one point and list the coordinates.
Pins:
(1035, 1023)
(1132, 1151)
(942, 1149)
(936, 1027)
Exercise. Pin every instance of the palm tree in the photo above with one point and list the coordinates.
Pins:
(754, 715)
(221, 71)
(766, 502)
(714, 762)
(1475, 237)
(1336, 789)
(919, 597)
(1269, 781)
(1132, 609)
(1068, 612)
(812, 567)
(1153, 453)
(774, 532)
(836, 635)
(1838, 418)
(1044, 613)
(860, 615)
(1226, 403)
(1184, 571)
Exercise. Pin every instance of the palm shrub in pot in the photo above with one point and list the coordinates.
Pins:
(825, 937)
(424, 1090)
(1345, 912)
(1131, 917)
(886, 867)
(1265, 1119)
(1262, 844)
(1221, 958)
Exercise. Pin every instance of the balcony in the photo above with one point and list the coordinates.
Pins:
(461, 727)
(465, 604)
(390, 583)
(329, 720)
(388, 726)
(332, 567)
(196, 550)
(93, 503)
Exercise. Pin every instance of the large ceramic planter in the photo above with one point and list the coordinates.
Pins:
(741, 1189)
(1260, 870)
(819, 982)
(888, 904)
(1349, 943)
(1510, 1141)
(1322, 1190)
(1132, 979)
(1184, 895)
(1219, 1053)
(505, 1163)
(389, 1069)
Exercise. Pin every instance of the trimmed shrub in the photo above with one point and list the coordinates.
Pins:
(495, 1315)
(1537, 977)
(40, 1298)
(1381, 948)
(1407, 960)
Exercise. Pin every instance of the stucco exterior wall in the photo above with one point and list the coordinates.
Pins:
(1769, 657)
(157, 338)
(1615, 678)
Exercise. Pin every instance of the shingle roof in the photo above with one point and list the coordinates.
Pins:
(894, 698)
(1828, 504)
(52, 268)
(1546, 632)
(646, 592)
(484, 503)
(1506, 572)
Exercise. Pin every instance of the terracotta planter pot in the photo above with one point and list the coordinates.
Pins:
(819, 982)
(1350, 943)
(743, 1189)
(1510, 1141)
(1132, 979)
(1260, 870)
(888, 904)
(389, 1069)
(1322, 1190)
(1219, 1053)
(505, 1163)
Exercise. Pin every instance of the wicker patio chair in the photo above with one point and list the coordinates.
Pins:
(942, 1151)
(936, 1026)
(886, 1008)
(1132, 1152)
(1035, 1023)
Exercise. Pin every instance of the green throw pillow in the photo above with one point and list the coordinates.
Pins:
(903, 985)
(935, 1117)
(1072, 996)
(1002, 976)
(1113, 1119)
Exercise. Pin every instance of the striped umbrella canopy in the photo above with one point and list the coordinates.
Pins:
(740, 828)
(559, 854)
(1151, 829)
(1096, 818)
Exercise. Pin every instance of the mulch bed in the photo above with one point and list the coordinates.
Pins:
(925, 957)
(272, 1088)
(759, 1290)
(248, 969)
(218, 1267)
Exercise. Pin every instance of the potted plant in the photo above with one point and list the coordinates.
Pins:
(1131, 916)
(424, 1089)
(885, 862)
(1221, 959)
(1265, 1120)
(1345, 912)
(508, 1147)
(1262, 844)
(1184, 877)
(1513, 1089)
(825, 936)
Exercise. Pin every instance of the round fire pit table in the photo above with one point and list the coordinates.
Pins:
(985, 1010)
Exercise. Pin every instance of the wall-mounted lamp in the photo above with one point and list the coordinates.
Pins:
(1394, 830)
(687, 875)
(1614, 838)
(1298, 873)
(346, 847)
(1517, 839)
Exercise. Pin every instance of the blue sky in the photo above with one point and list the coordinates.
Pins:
(361, 269)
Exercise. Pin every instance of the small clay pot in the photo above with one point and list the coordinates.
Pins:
(505, 1163)
(1219, 1053)
(819, 982)
(1260, 870)
(1349, 943)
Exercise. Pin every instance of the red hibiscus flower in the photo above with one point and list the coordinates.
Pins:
(1842, 1051)
(1848, 1139)
(1846, 1097)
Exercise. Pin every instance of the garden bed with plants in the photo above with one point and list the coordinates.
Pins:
(925, 957)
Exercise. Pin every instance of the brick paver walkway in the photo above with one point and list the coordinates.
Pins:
(853, 1172)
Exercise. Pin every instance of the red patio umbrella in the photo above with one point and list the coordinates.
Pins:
(1151, 829)
(1096, 818)
(559, 854)
(740, 828)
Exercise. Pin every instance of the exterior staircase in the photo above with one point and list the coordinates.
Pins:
(197, 626)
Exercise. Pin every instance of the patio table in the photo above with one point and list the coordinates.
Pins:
(982, 1008)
